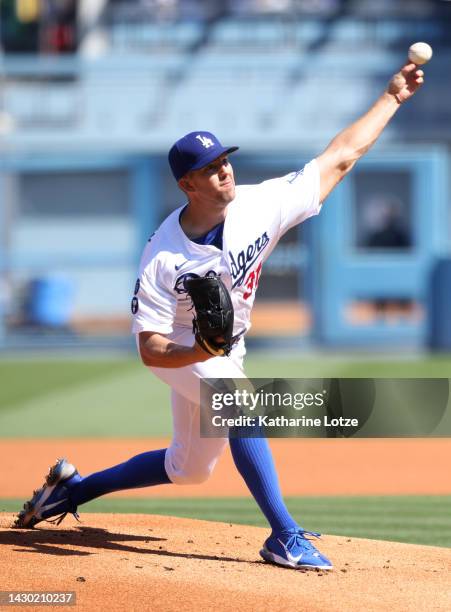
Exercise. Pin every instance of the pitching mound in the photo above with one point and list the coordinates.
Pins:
(144, 562)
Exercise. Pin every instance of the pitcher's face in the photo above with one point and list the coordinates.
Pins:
(214, 182)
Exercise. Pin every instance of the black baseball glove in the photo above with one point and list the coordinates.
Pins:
(213, 322)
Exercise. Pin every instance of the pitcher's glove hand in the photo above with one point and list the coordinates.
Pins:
(213, 323)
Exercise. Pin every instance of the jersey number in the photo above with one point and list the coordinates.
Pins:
(251, 282)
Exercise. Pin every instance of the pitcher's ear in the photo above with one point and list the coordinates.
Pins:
(185, 184)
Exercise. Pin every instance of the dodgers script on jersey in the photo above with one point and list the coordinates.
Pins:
(256, 219)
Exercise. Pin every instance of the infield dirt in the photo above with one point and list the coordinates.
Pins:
(137, 562)
(305, 467)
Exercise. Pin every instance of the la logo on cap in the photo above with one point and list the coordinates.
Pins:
(205, 141)
(186, 154)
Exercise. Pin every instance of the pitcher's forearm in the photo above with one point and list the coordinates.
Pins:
(355, 140)
(159, 352)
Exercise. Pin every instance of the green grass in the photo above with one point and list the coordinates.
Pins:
(25, 380)
(411, 519)
(73, 398)
(54, 397)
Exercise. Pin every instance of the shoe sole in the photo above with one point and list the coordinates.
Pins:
(29, 516)
(281, 562)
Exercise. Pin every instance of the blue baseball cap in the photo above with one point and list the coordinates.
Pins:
(194, 151)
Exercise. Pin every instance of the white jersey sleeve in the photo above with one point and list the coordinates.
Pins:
(155, 304)
(297, 195)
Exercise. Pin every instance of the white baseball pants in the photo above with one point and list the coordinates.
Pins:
(191, 459)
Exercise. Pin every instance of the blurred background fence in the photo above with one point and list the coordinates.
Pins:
(93, 93)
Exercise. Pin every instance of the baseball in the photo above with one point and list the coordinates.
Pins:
(420, 53)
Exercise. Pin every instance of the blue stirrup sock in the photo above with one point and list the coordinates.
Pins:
(144, 470)
(253, 459)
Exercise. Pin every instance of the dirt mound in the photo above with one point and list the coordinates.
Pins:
(145, 562)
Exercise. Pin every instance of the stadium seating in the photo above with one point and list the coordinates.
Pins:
(252, 74)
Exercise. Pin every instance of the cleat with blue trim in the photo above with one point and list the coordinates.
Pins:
(52, 499)
(291, 548)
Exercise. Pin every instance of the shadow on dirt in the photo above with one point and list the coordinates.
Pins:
(53, 542)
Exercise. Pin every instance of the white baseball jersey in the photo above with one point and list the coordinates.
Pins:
(256, 219)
